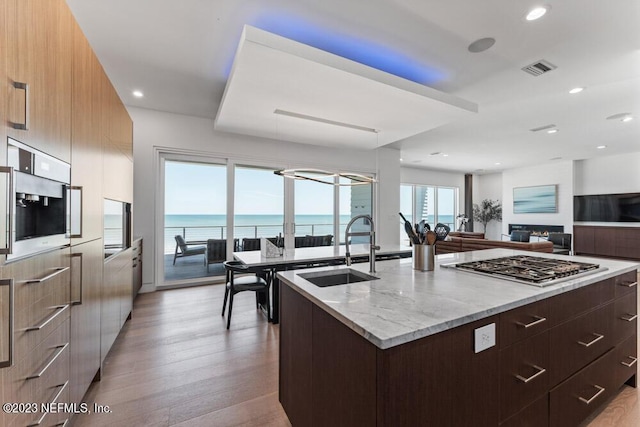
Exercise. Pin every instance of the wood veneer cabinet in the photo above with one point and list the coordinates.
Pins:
(116, 298)
(548, 367)
(86, 135)
(86, 290)
(39, 46)
(605, 241)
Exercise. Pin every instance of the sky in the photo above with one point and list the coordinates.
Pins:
(198, 188)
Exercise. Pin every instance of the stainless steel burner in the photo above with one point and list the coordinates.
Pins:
(527, 269)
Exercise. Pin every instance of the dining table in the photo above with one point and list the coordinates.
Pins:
(308, 257)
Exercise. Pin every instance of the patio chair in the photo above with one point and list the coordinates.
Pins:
(183, 249)
(215, 252)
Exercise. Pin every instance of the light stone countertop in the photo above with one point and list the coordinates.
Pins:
(405, 305)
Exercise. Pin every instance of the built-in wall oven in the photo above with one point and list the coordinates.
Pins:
(38, 217)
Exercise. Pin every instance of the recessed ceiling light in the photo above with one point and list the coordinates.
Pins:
(497, 163)
(537, 13)
(627, 119)
(445, 155)
(481, 45)
(400, 158)
(576, 90)
(620, 116)
(138, 93)
(600, 147)
(552, 131)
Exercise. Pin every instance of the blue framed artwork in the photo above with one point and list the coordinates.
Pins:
(538, 199)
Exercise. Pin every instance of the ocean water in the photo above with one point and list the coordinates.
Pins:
(203, 227)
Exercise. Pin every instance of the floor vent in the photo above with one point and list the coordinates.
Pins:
(539, 67)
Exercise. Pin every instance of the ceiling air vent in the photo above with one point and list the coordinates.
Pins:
(539, 67)
(538, 129)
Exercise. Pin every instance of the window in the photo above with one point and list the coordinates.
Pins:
(430, 203)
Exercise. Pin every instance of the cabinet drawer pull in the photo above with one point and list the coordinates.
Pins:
(58, 270)
(10, 303)
(630, 364)
(628, 284)
(25, 125)
(76, 295)
(537, 374)
(60, 349)
(59, 309)
(629, 317)
(54, 400)
(597, 338)
(537, 321)
(598, 393)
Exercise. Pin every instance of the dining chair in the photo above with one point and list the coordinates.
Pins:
(250, 244)
(249, 281)
(183, 249)
(561, 243)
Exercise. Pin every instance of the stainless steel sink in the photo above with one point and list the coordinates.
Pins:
(342, 276)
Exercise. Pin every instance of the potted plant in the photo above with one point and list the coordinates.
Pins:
(488, 210)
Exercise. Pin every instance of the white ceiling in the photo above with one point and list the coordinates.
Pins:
(180, 54)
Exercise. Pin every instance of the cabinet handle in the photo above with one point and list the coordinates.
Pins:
(630, 364)
(78, 301)
(58, 270)
(537, 374)
(54, 400)
(628, 284)
(25, 87)
(59, 309)
(8, 249)
(629, 317)
(537, 321)
(9, 361)
(598, 393)
(60, 349)
(597, 338)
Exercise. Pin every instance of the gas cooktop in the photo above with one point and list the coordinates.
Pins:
(532, 270)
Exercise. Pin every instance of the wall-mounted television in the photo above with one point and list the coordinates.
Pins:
(607, 207)
(538, 199)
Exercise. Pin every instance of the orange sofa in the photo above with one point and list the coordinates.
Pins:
(465, 244)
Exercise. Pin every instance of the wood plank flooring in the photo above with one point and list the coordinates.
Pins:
(175, 364)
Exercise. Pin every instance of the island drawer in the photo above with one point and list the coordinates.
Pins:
(625, 283)
(626, 364)
(534, 415)
(568, 305)
(523, 322)
(574, 344)
(524, 375)
(575, 399)
(625, 317)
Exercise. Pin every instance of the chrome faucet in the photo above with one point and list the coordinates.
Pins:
(372, 241)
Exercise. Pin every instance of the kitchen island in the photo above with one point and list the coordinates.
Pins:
(453, 348)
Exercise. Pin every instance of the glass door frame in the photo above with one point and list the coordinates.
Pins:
(163, 157)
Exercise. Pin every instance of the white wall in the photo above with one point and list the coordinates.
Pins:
(560, 173)
(193, 135)
(607, 175)
(488, 187)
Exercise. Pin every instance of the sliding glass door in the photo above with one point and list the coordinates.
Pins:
(195, 210)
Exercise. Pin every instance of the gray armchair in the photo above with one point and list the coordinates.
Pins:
(183, 249)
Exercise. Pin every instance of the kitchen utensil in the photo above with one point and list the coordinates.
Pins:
(431, 237)
(408, 228)
(441, 230)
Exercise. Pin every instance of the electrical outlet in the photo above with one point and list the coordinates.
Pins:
(485, 337)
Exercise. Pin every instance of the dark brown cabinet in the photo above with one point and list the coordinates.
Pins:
(556, 360)
(605, 241)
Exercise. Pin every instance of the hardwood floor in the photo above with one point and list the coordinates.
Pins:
(175, 364)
